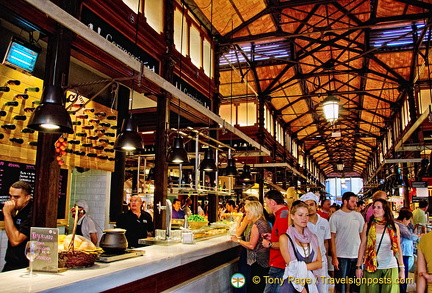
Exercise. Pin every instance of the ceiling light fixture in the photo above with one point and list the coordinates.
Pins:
(208, 164)
(340, 165)
(246, 175)
(331, 109)
(51, 115)
(129, 139)
(177, 153)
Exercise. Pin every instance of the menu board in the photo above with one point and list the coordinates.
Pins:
(46, 249)
(11, 172)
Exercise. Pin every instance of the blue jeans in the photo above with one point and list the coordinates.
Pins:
(346, 269)
(274, 273)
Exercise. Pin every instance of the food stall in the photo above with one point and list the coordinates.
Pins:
(211, 261)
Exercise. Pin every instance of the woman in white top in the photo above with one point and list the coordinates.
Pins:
(380, 252)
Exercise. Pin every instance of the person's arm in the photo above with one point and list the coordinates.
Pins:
(421, 269)
(266, 242)
(335, 261)
(361, 251)
(317, 264)
(240, 228)
(400, 258)
(150, 225)
(283, 241)
(252, 241)
(94, 238)
(326, 245)
(15, 237)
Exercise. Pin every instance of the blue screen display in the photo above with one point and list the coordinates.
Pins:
(21, 56)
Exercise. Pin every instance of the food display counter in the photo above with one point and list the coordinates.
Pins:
(160, 268)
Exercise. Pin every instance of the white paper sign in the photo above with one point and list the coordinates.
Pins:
(422, 192)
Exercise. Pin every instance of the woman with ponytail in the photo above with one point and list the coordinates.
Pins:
(380, 252)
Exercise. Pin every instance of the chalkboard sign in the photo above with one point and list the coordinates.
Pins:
(46, 243)
(11, 172)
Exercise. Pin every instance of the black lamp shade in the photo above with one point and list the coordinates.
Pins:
(51, 116)
(208, 164)
(177, 153)
(246, 174)
(129, 139)
(151, 174)
(231, 169)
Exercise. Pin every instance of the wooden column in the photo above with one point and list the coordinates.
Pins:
(46, 185)
(162, 121)
(161, 166)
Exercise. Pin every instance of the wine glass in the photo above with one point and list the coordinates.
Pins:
(32, 251)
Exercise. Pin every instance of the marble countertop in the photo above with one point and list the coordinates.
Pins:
(103, 276)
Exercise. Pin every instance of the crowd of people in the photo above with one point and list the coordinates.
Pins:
(304, 247)
(311, 246)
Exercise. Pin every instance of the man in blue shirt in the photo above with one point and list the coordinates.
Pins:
(177, 212)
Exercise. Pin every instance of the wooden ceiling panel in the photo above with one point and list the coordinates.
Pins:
(388, 8)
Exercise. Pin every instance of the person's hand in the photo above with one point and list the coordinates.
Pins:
(359, 273)
(266, 236)
(401, 273)
(265, 243)
(427, 277)
(234, 239)
(8, 207)
(335, 263)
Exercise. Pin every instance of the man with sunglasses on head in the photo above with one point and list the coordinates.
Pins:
(17, 214)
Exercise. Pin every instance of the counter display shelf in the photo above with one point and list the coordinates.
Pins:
(160, 268)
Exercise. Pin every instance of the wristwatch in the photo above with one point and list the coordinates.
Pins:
(270, 244)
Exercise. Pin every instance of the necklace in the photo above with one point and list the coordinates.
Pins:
(308, 253)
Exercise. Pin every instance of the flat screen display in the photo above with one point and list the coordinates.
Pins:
(22, 55)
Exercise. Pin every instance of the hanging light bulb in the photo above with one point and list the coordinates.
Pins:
(208, 164)
(246, 174)
(331, 109)
(177, 154)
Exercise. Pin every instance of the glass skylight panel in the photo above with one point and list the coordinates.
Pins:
(396, 38)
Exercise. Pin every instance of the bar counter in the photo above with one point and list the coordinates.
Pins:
(160, 268)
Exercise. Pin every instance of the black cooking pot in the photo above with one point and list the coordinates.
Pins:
(114, 241)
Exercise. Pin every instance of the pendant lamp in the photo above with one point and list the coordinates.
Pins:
(423, 168)
(177, 154)
(231, 169)
(208, 164)
(129, 140)
(340, 165)
(51, 115)
(246, 174)
(331, 109)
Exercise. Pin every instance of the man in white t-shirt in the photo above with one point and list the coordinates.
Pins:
(345, 226)
(320, 227)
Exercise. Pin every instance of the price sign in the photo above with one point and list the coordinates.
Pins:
(47, 244)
